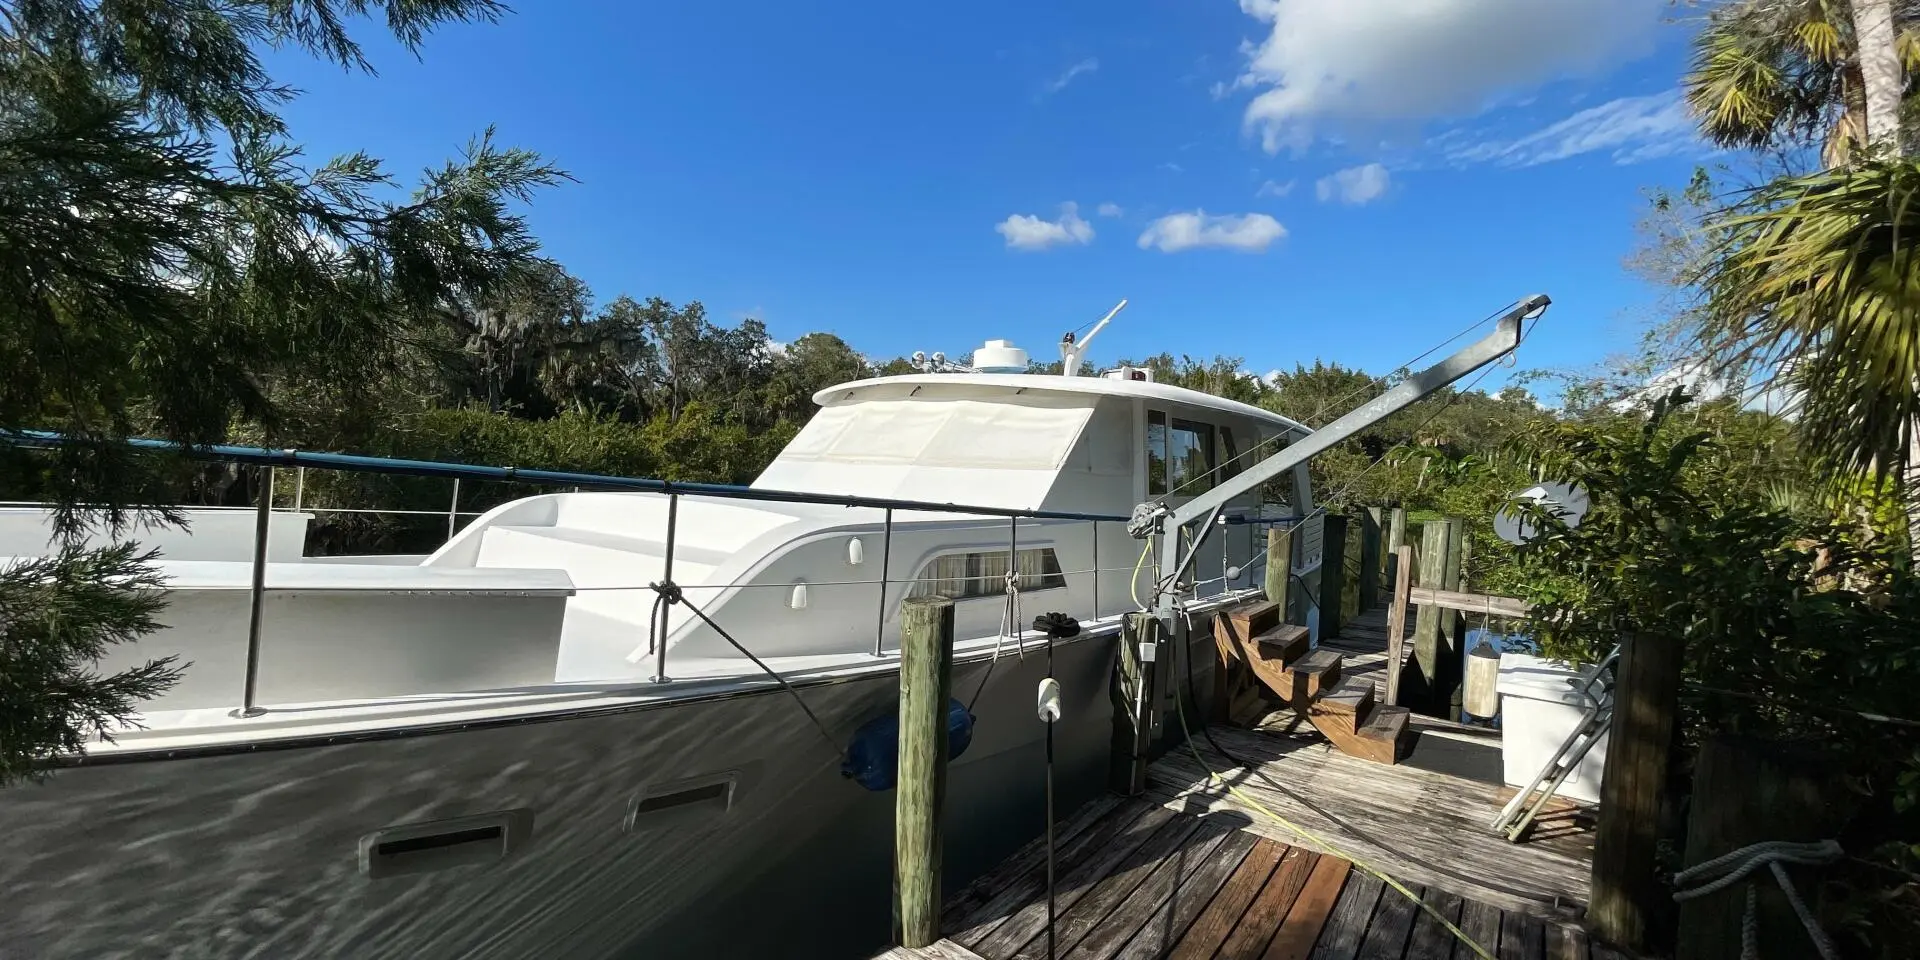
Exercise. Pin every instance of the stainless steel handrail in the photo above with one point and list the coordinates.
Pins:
(257, 589)
(267, 460)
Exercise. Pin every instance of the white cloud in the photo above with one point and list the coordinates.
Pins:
(1060, 82)
(1355, 185)
(1631, 129)
(1028, 232)
(1110, 209)
(1172, 167)
(1245, 232)
(1330, 65)
(1272, 189)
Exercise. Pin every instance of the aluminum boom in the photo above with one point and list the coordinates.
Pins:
(1160, 518)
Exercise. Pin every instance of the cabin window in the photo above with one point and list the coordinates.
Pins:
(1230, 465)
(1190, 458)
(962, 576)
(1156, 452)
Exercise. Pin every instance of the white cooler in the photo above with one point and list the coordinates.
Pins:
(1538, 710)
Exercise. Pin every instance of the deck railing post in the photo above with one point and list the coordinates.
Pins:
(926, 681)
(1226, 553)
(1397, 619)
(666, 579)
(299, 486)
(1396, 528)
(1096, 568)
(262, 521)
(886, 557)
(453, 508)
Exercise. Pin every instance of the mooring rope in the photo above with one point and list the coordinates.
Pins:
(669, 593)
(1724, 871)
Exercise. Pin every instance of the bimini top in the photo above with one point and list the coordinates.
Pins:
(1044, 383)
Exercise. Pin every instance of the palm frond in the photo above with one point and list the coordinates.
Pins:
(1816, 283)
(1735, 89)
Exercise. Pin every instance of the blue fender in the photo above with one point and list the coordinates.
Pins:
(873, 756)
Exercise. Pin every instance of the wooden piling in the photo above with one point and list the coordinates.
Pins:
(926, 681)
(1630, 905)
(1333, 572)
(1453, 624)
(1280, 569)
(1430, 673)
(1397, 620)
(1749, 791)
(1370, 575)
(1396, 523)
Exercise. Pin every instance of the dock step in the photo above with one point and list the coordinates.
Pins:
(1382, 733)
(1258, 654)
(1286, 643)
(1345, 706)
(1303, 680)
(1246, 621)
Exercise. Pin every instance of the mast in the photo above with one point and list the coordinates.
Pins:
(1072, 351)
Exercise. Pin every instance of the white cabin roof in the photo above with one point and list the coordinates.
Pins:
(1044, 383)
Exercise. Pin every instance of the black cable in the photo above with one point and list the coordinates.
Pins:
(1050, 848)
(1056, 626)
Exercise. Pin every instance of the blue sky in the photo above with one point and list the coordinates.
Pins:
(1281, 180)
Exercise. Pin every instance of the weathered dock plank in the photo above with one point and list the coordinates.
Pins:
(1169, 924)
(1081, 863)
(1204, 938)
(1295, 938)
(1075, 921)
(1129, 915)
(1419, 826)
(1346, 926)
(1392, 926)
(1431, 939)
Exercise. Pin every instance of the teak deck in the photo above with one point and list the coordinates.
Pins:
(1138, 881)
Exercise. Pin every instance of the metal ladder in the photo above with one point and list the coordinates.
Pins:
(1596, 685)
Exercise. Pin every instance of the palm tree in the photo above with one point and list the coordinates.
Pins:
(1787, 75)
(1813, 277)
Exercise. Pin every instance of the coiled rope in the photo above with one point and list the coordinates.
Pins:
(1724, 871)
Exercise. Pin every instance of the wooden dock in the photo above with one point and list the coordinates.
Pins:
(1138, 880)
(1193, 871)
(1418, 825)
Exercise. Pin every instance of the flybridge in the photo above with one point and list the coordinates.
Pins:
(1162, 519)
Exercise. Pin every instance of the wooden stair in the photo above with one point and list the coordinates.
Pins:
(1280, 657)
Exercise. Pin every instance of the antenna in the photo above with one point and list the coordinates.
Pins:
(1072, 350)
